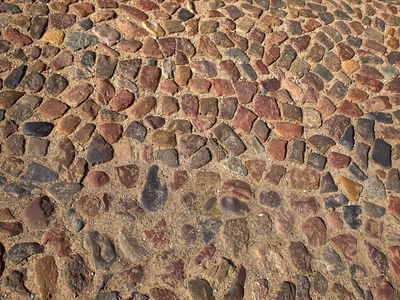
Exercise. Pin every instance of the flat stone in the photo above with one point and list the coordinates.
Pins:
(300, 257)
(36, 214)
(98, 151)
(350, 215)
(105, 66)
(78, 275)
(378, 259)
(331, 260)
(102, 250)
(136, 131)
(55, 84)
(63, 191)
(306, 179)
(46, 275)
(106, 34)
(235, 165)
(266, 107)
(8, 98)
(233, 205)
(14, 78)
(39, 173)
(128, 175)
(78, 40)
(130, 246)
(200, 289)
(21, 251)
(381, 153)
(236, 236)
(228, 139)
(315, 230)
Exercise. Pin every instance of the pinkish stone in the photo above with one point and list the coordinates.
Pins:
(243, 119)
(122, 100)
(266, 107)
(276, 149)
(346, 243)
(149, 77)
(338, 160)
(238, 188)
(303, 179)
(16, 37)
(97, 179)
(222, 87)
(244, 91)
(288, 130)
(315, 231)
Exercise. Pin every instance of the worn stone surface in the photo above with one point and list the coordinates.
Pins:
(126, 127)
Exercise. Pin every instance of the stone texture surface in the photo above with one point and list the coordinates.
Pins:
(199, 150)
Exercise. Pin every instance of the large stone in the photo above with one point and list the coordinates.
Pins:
(39, 173)
(229, 139)
(36, 214)
(78, 275)
(99, 151)
(236, 236)
(21, 251)
(46, 276)
(131, 247)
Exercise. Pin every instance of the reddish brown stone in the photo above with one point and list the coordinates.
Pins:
(304, 204)
(276, 149)
(180, 179)
(237, 188)
(256, 168)
(276, 37)
(275, 173)
(315, 231)
(284, 222)
(168, 105)
(374, 47)
(229, 67)
(349, 109)
(271, 55)
(373, 228)
(122, 100)
(345, 52)
(58, 239)
(244, 91)
(303, 179)
(75, 95)
(82, 9)
(377, 103)
(378, 259)
(301, 43)
(336, 125)
(356, 27)
(111, 132)
(338, 160)
(189, 105)
(394, 206)
(260, 68)
(149, 77)
(133, 13)
(199, 85)
(370, 84)
(243, 119)
(311, 25)
(141, 107)
(384, 291)
(222, 87)
(357, 95)
(151, 49)
(14, 36)
(334, 220)
(346, 243)
(288, 130)
(53, 109)
(266, 107)
(201, 124)
(105, 91)
(394, 251)
(146, 5)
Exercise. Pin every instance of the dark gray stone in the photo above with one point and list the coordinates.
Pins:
(354, 41)
(332, 262)
(12, 80)
(335, 201)
(209, 228)
(102, 250)
(136, 131)
(39, 173)
(2, 114)
(107, 296)
(233, 205)
(85, 24)
(357, 172)
(347, 138)
(229, 139)
(78, 40)
(21, 251)
(326, 17)
(168, 157)
(88, 59)
(316, 161)
(365, 128)
(154, 193)
(63, 191)
(9, 8)
(129, 68)
(381, 117)
(99, 151)
(323, 72)
(23, 109)
(381, 153)
(287, 291)
(288, 55)
(238, 55)
(40, 129)
(19, 189)
(105, 66)
(350, 215)
(185, 15)
(373, 210)
(320, 284)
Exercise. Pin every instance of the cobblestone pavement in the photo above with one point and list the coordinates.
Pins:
(214, 149)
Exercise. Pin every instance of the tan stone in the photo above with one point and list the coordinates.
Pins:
(353, 189)
(54, 37)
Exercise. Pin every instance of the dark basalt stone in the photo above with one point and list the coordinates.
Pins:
(154, 194)
(40, 129)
